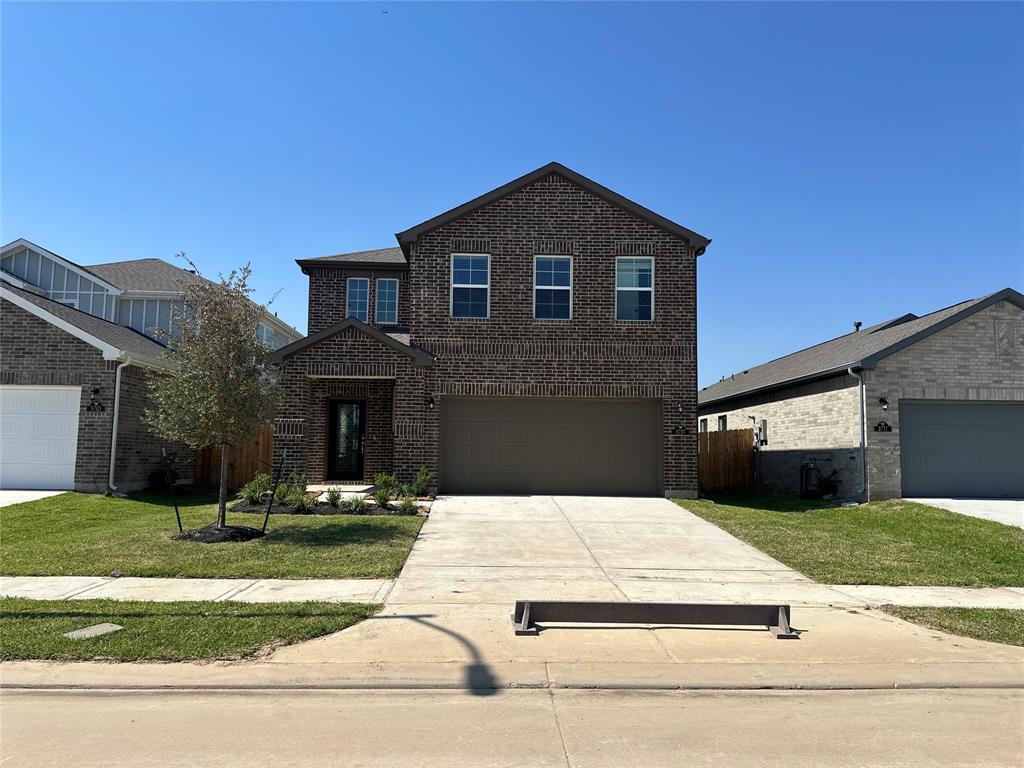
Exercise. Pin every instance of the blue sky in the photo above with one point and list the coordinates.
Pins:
(850, 161)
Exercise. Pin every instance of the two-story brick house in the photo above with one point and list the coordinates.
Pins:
(539, 338)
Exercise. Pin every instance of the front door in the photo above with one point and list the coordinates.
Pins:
(347, 422)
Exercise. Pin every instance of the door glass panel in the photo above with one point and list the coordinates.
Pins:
(346, 439)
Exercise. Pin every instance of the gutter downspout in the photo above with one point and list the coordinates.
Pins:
(113, 428)
(862, 491)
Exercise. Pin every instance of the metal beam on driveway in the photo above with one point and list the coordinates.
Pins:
(773, 616)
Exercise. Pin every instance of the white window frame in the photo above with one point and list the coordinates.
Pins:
(617, 288)
(347, 312)
(452, 285)
(551, 287)
(376, 298)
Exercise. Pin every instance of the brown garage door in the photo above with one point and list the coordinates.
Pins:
(556, 445)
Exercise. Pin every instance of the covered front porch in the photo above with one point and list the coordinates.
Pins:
(352, 406)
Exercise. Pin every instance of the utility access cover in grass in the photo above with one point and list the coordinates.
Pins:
(181, 631)
(96, 630)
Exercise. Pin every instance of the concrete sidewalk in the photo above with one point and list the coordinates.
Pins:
(470, 587)
(217, 590)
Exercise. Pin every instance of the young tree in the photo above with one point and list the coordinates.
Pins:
(222, 383)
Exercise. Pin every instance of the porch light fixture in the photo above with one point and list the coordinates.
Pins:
(884, 403)
(679, 406)
(430, 402)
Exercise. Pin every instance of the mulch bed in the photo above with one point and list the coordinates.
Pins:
(211, 534)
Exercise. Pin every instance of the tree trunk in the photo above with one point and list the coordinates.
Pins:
(222, 502)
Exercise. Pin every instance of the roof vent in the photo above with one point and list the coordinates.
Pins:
(856, 325)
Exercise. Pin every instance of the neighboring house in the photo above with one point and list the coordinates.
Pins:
(940, 410)
(73, 354)
(540, 338)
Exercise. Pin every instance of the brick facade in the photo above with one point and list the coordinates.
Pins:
(814, 424)
(34, 352)
(962, 362)
(327, 294)
(510, 354)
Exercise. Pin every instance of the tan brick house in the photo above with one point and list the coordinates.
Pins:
(539, 338)
(929, 406)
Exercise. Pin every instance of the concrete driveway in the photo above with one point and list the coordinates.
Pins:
(1005, 511)
(491, 549)
(7, 498)
(446, 620)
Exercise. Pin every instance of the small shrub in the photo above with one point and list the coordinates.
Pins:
(385, 482)
(422, 482)
(252, 492)
(357, 505)
(403, 490)
(290, 489)
(333, 497)
(303, 503)
(382, 497)
(408, 506)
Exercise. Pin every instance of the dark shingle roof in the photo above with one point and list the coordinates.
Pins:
(376, 256)
(145, 275)
(125, 339)
(860, 349)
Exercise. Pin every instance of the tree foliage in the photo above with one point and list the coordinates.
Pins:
(222, 383)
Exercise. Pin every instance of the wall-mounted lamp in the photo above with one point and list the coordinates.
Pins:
(884, 403)
(679, 406)
(431, 402)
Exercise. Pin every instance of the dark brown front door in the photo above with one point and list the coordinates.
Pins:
(347, 423)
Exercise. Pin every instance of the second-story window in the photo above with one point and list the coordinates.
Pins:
(387, 301)
(357, 299)
(471, 286)
(634, 289)
(552, 287)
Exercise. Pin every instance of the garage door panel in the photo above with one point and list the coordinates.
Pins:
(535, 445)
(962, 449)
(38, 436)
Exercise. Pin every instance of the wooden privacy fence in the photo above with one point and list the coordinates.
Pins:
(725, 459)
(245, 460)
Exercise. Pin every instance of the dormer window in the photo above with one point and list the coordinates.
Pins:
(471, 286)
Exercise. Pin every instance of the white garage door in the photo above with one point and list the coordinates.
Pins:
(38, 436)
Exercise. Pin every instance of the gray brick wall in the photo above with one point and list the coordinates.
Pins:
(815, 423)
(962, 362)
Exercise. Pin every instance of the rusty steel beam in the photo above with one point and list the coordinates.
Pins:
(773, 616)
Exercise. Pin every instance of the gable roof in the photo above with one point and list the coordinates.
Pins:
(21, 242)
(858, 350)
(146, 275)
(408, 237)
(392, 258)
(113, 340)
(420, 357)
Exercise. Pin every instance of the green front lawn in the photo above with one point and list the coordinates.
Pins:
(884, 542)
(996, 625)
(78, 534)
(33, 629)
